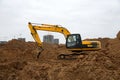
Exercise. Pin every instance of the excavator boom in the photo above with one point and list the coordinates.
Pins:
(46, 27)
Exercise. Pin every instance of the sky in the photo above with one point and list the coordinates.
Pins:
(90, 18)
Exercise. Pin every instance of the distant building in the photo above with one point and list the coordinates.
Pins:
(21, 39)
(3, 42)
(50, 39)
(56, 41)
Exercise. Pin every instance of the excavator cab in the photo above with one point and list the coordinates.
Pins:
(74, 41)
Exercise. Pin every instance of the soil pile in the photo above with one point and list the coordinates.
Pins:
(118, 35)
(18, 62)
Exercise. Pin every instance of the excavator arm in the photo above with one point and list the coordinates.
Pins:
(46, 27)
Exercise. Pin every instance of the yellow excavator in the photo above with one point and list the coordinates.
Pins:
(73, 41)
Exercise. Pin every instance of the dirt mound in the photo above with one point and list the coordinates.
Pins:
(118, 35)
(18, 62)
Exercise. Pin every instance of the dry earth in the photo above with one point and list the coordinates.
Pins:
(18, 62)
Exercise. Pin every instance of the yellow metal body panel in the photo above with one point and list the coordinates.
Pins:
(89, 45)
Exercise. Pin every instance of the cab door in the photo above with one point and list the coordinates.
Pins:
(73, 41)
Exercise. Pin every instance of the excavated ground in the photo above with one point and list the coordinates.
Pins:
(18, 62)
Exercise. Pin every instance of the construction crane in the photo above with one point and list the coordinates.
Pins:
(74, 42)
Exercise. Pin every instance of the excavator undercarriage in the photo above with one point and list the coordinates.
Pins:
(69, 56)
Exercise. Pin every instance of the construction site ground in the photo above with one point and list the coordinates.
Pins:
(18, 62)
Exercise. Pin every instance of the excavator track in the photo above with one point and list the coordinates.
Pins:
(66, 57)
(72, 56)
